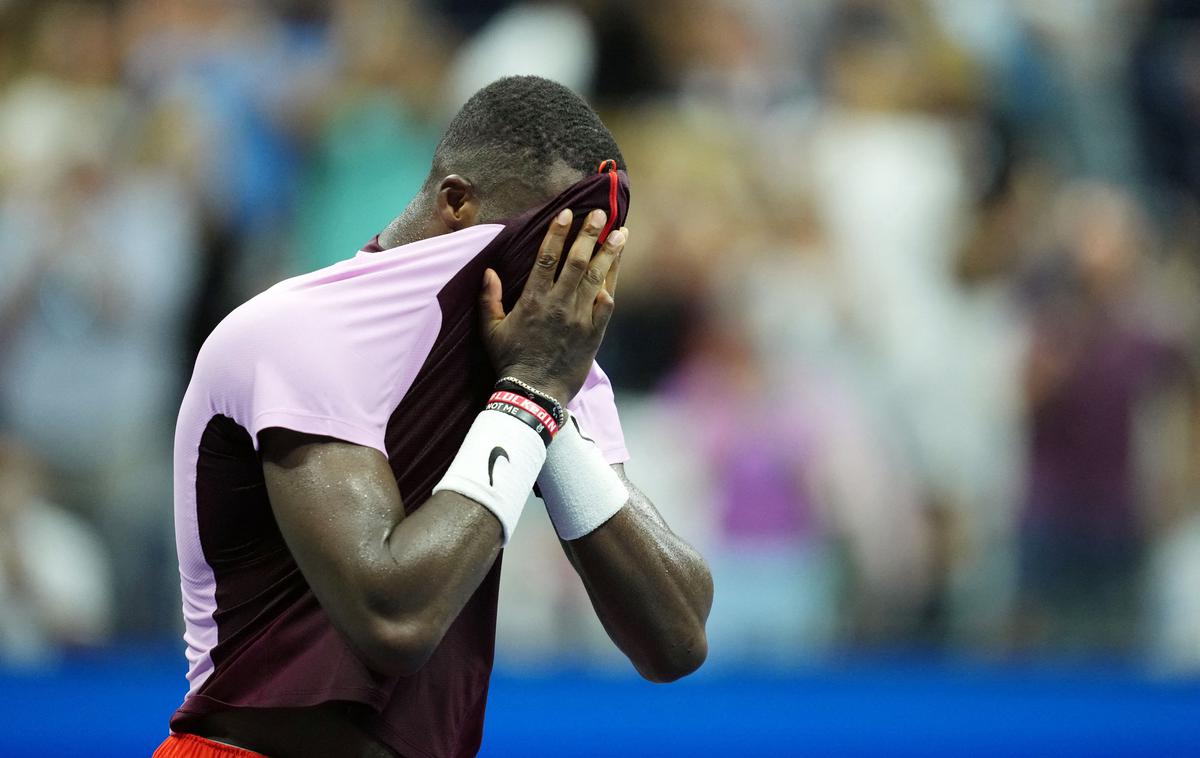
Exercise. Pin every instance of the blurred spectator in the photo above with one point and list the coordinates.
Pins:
(563, 49)
(97, 262)
(55, 580)
(375, 131)
(893, 190)
(226, 89)
(773, 548)
(1094, 361)
(69, 81)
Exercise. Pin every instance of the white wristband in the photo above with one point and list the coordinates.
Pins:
(580, 489)
(496, 466)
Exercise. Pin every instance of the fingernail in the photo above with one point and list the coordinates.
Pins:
(617, 238)
(563, 217)
(596, 220)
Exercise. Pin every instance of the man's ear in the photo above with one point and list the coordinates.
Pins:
(457, 203)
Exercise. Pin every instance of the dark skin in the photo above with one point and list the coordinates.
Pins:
(392, 584)
(651, 590)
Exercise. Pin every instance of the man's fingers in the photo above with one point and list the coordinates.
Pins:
(610, 282)
(546, 263)
(601, 264)
(491, 309)
(602, 310)
(580, 255)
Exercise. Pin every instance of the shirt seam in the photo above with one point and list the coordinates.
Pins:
(314, 417)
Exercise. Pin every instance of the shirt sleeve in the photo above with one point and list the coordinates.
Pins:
(595, 408)
(302, 392)
(305, 370)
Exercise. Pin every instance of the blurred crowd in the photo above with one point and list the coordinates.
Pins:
(906, 341)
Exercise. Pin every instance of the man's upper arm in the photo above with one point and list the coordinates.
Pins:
(335, 502)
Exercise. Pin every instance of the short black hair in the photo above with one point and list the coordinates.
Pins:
(514, 130)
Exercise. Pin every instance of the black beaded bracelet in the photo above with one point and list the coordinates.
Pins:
(550, 404)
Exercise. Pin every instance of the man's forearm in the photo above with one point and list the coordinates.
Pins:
(438, 556)
(444, 550)
(651, 590)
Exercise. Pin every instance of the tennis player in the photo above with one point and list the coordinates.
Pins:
(356, 446)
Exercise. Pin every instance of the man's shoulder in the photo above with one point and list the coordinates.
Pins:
(255, 319)
(279, 330)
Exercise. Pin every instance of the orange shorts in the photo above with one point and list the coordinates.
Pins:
(192, 746)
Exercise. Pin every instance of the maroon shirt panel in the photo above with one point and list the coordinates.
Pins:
(423, 436)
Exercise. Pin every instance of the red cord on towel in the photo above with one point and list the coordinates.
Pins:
(610, 166)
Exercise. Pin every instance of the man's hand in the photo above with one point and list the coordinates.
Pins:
(552, 334)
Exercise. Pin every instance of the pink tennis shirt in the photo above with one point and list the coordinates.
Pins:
(381, 350)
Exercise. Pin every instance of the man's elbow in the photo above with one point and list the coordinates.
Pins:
(672, 662)
(398, 647)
